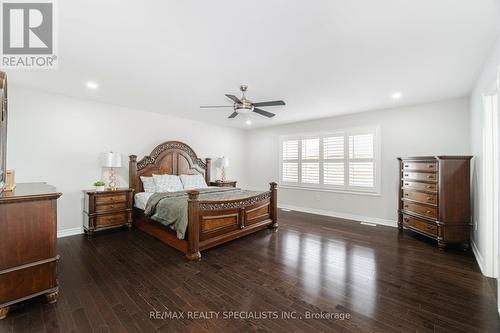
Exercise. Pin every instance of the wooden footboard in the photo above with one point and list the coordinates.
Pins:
(216, 222)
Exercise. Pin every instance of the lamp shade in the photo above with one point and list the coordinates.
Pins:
(111, 160)
(224, 162)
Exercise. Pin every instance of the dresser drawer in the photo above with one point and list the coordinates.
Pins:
(420, 186)
(421, 225)
(423, 176)
(420, 166)
(420, 197)
(420, 209)
(111, 219)
(109, 199)
(111, 207)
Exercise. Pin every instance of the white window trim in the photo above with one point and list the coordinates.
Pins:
(375, 191)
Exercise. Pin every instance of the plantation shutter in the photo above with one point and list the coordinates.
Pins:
(334, 164)
(310, 161)
(361, 162)
(290, 166)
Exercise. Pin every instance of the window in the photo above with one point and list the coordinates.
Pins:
(345, 160)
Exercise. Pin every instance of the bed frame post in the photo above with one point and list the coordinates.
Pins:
(274, 205)
(208, 162)
(132, 172)
(193, 252)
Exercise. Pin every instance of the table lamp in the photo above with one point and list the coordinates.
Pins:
(112, 160)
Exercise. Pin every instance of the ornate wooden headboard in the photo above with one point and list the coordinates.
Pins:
(171, 157)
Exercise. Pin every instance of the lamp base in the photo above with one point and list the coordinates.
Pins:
(112, 180)
(223, 175)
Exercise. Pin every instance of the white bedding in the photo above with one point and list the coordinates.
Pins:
(141, 199)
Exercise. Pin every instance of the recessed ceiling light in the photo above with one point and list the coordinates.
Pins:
(248, 122)
(396, 95)
(92, 85)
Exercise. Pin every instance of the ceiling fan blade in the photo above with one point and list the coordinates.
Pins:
(264, 113)
(215, 106)
(271, 103)
(234, 114)
(234, 98)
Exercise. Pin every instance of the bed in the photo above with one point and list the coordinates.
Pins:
(210, 222)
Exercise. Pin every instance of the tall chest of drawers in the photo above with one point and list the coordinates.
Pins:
(434, 197)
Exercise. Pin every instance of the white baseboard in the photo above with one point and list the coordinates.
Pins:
(69, 232)
(479, 257)
(347, 216)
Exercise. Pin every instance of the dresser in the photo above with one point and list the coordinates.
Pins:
(434, 197)
(28, 233)
(107, 209)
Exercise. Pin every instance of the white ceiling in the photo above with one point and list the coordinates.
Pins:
(323, 58)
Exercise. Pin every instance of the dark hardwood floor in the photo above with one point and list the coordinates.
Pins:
(384, 281)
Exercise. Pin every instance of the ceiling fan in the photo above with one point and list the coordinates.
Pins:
(244, 106)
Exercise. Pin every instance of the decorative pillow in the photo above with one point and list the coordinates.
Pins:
(167, 183)
(148, 184)
(193, 182)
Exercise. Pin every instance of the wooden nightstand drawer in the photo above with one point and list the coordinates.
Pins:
(111, 207)
(110, 220)
(101, 199)
(107, 209)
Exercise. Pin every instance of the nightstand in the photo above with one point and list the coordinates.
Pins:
(227, 183)
(107, 209)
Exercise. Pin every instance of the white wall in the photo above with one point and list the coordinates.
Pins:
(439, 128)
(58, 140)
(482, 233)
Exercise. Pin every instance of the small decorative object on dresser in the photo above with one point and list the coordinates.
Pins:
(112, 160)
(28, 254)
(107, 209)
(434, 197)
(10, 182)
(222, 183)
(100, 186)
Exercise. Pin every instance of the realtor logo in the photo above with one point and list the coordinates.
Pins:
(28, 34)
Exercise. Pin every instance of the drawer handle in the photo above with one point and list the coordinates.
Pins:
(406, 175)
(430, 199)
(429, 186)
(406, 206)
(431, 166)
(406, 219)
(406, 194)
(428, 212)
(406, 184)
(430, 176)
(407, 165)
